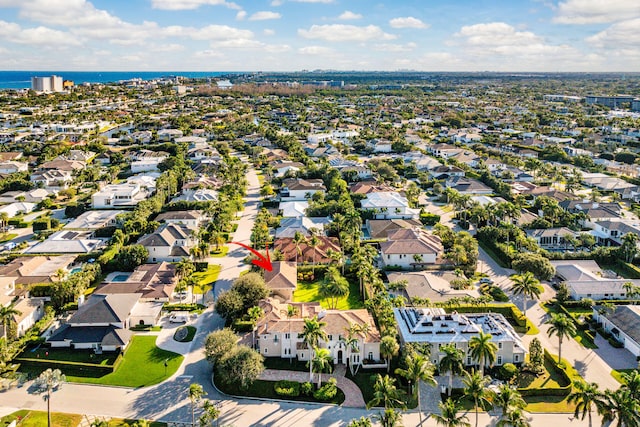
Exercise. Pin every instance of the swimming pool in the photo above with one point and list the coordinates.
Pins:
(75, 270)
(120, 278)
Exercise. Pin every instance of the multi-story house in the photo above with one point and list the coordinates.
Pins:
(170, 242)
(280, 336)
(435, 327)
(410, 248)
(389, 205)
(119, 196)
(300, 189)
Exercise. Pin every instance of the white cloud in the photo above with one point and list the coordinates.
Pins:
(340, 32)
(596, 11)
(393, 47)
(314, 1)
(190, 4)
(216, 32)
(42, 36)
(268, 32)
(315, 50)
(347, 15)
(241, 15)
(626, 33)
(209, 53)
(497, 34)
(276, 3)
(264, 16)
(407, 22)
(171, 47)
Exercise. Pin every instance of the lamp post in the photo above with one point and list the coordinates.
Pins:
(166, 364)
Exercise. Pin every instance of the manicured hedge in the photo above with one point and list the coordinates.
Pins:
(287, 388)
(550, 391)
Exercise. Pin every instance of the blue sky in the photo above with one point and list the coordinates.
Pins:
(286, 35)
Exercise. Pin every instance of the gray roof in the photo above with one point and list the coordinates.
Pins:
(113, 308)
(104, 335)
(627, 319)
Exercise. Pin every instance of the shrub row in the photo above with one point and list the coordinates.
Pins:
(69, 367)
(287, 388)
(183, 307)
(240, 325)
(328, 391)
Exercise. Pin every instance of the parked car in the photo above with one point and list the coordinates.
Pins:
(486, 280)
(179, 317)
(9, 246)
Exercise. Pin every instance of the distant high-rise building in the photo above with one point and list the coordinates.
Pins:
(47, 84)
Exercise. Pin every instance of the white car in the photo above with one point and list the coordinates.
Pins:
(179, 318)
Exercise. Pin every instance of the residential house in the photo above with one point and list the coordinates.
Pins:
(432, 285)
(101, 323)
(126, 195)
(464, 185)
(37, 269)
(366, 187)
(294, 189)
(433, 326)
(170, 242)
(17, 208)
(30, 311)
(68, 242)
(52, 179)
(307, 253)
(155, 282)
(389, 205)
(197, 195)
(168, 135)
(609, 233)
(282, 167)
(552, 238)
(410, 248)
(600, 289)
(93, 220)
(10, 166)
(280, 336)
(293, 209)
(593, 211)
(623, 323)
(282, 279)
(61, 164)
(380, 228)
(32, 196)
(381, 146)
(192, 219)
(444, 150)
(301, 224)
(446, 172)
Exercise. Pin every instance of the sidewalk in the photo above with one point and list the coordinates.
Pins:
(352, 393)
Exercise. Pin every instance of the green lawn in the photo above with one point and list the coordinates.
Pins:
(143, 365)
(39, 419)
(575, 312)
(309, 292)
(68, 355)
(221, 253)
(206, 278)
(550, 379)
(5, 237)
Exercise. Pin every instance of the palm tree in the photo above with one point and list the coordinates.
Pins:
(483, 350)
(526, 285)
(313, 243)
(561, 326)
(475, 387)
(312, 333)
(291, 313)
(514, 418)
(388, 348)
(211, 413)
(321, 362)
(448, 416)
(389, 418)
(586, 396)
(452, 363)
(7, 314)
(508, 399)
(4, 218)
(196, 392)
(48, 382)
(353, 343)
(184, 268)
(386, 393)
(631, 382)
(419, 368)
(254, 313)
(621, 405)
(298, 240)
(360, 422)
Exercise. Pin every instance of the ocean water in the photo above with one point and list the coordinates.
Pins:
(22, 79)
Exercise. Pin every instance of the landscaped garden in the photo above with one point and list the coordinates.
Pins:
(291, 390)
(310, 292)
(184, 333)
(578, 316)
(142, 351)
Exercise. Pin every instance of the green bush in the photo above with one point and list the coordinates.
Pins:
(287, 388)
(615, 343)
(328, 391)
(201, 266)
(41, 224)
(429, 219)
(507, 372)
(239, 325)
(306, 388)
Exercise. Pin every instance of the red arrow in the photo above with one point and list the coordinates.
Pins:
(262, 261)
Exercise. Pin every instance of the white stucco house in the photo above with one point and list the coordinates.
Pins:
(624, 324)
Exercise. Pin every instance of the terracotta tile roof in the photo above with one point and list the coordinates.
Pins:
(318, 254)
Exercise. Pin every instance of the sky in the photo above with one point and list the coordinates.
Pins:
(293, 35)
